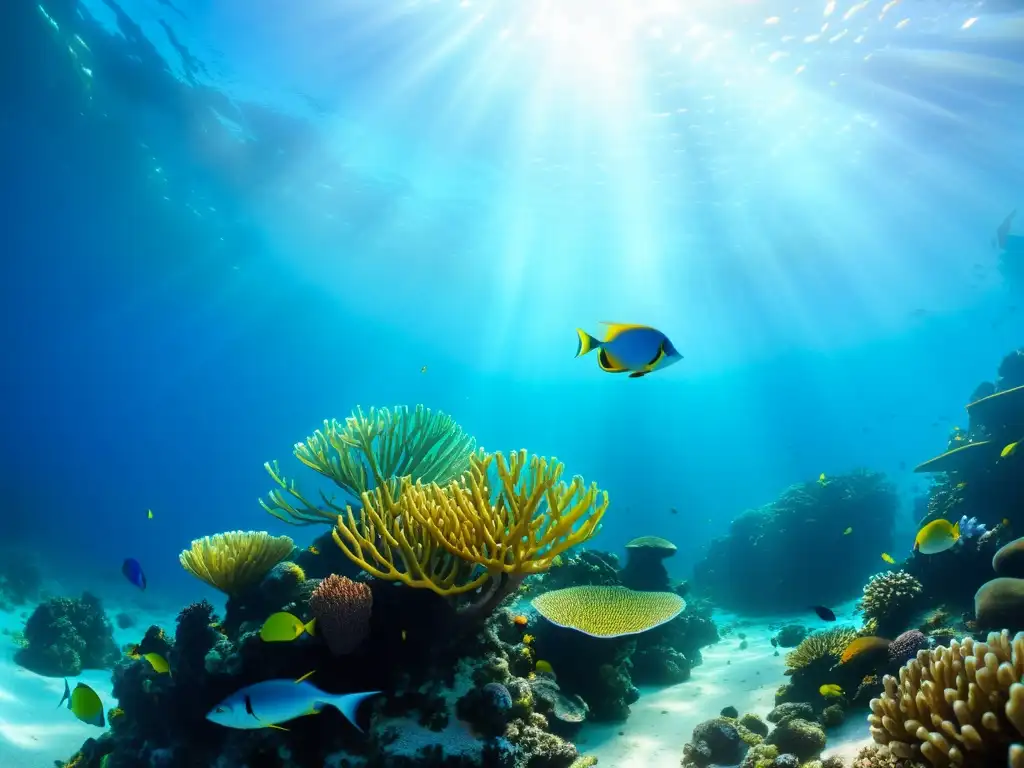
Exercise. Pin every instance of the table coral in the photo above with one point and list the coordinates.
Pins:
(608, 611)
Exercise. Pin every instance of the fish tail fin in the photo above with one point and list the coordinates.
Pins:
(956, 530)
(346, 703)
(67, 695)
(586, 342)
(310, 628)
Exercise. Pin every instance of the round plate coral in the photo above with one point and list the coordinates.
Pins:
(608, 611)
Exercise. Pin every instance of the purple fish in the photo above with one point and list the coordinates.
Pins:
(132, 571)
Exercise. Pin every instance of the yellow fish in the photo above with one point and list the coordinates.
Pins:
(888, 558)
(312, 549)
(545, 668)
(404, 635)
(830, 690)
(158, 662)
(848, 531)
(84, 704)
(149, 514)
(822, 479)
(1006, 521)
(937, 536)
(282, 627)
(638, 349)
(1009, 450)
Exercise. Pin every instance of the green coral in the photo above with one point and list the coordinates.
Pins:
(827, 644)
(798, 737)
(754, 724)
(761, 756)
(372, 451)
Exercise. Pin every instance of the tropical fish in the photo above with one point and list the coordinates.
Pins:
(149, 514)
(132, 571)
(636, 348)
(544, 667)
(282, 627)
(158, 662)
(825, 614)
(423, 369)
(830, 690)
(937, 536)
(863, 645)
(267, 704)
(888, 558)
(84, 704)
(822, 480)
(312, 549)
(1009, 450)
(848, 531)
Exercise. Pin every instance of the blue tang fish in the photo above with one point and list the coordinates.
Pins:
(84, 703)
(132, 571)
(267, 704)
(636, 348)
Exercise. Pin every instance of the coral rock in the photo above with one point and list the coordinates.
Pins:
(1009, 560)
(799, 737)
(342, 608)
(1000, 603)
(907, 645)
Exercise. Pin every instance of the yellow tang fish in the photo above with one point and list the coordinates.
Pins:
(888, 558)
(830, 690)
(545, 668)
(937, 536)
(863, 645)
(158, 662)
(1009, 450)
(282, 627)
(822, 480)
(638, 349)
(848, 531)
(149, 514)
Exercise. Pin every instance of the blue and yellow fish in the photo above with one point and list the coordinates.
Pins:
(638, 349)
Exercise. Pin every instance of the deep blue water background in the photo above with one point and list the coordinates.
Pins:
(155, 359)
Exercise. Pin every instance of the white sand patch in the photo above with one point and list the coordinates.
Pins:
(662, 721)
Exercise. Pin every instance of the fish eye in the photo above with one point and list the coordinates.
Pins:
(219, 710)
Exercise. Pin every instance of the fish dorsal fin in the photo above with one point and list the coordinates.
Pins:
(609, 363)
(614, 329)
(306, 676)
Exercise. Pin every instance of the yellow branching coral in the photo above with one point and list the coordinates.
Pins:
(827, 644)
(372, 451)
(956, 706)
(604, 611)
(452, 539)
(233, 561)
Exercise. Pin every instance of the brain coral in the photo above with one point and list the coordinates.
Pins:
(608, 611)
(956, 706)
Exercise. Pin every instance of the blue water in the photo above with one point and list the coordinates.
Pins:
(212, 246)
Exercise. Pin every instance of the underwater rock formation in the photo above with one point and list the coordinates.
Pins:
(796, 736)
(773, 558)
(645, 568)
(20, 578)
(64, 636)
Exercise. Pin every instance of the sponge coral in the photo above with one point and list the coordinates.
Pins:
(608, 611)
(827, 644)
(956, 706)
(234, 561)
(888, 596)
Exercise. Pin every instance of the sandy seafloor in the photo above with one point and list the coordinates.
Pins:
(34, 733)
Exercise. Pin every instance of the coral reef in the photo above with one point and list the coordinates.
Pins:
(373, 452)
(889, 598)
(906, 646)
(235, 561)
(763, 566)
(791, 635)
(962, 705)
(645, 569)
(63, 636)
(342, 608)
